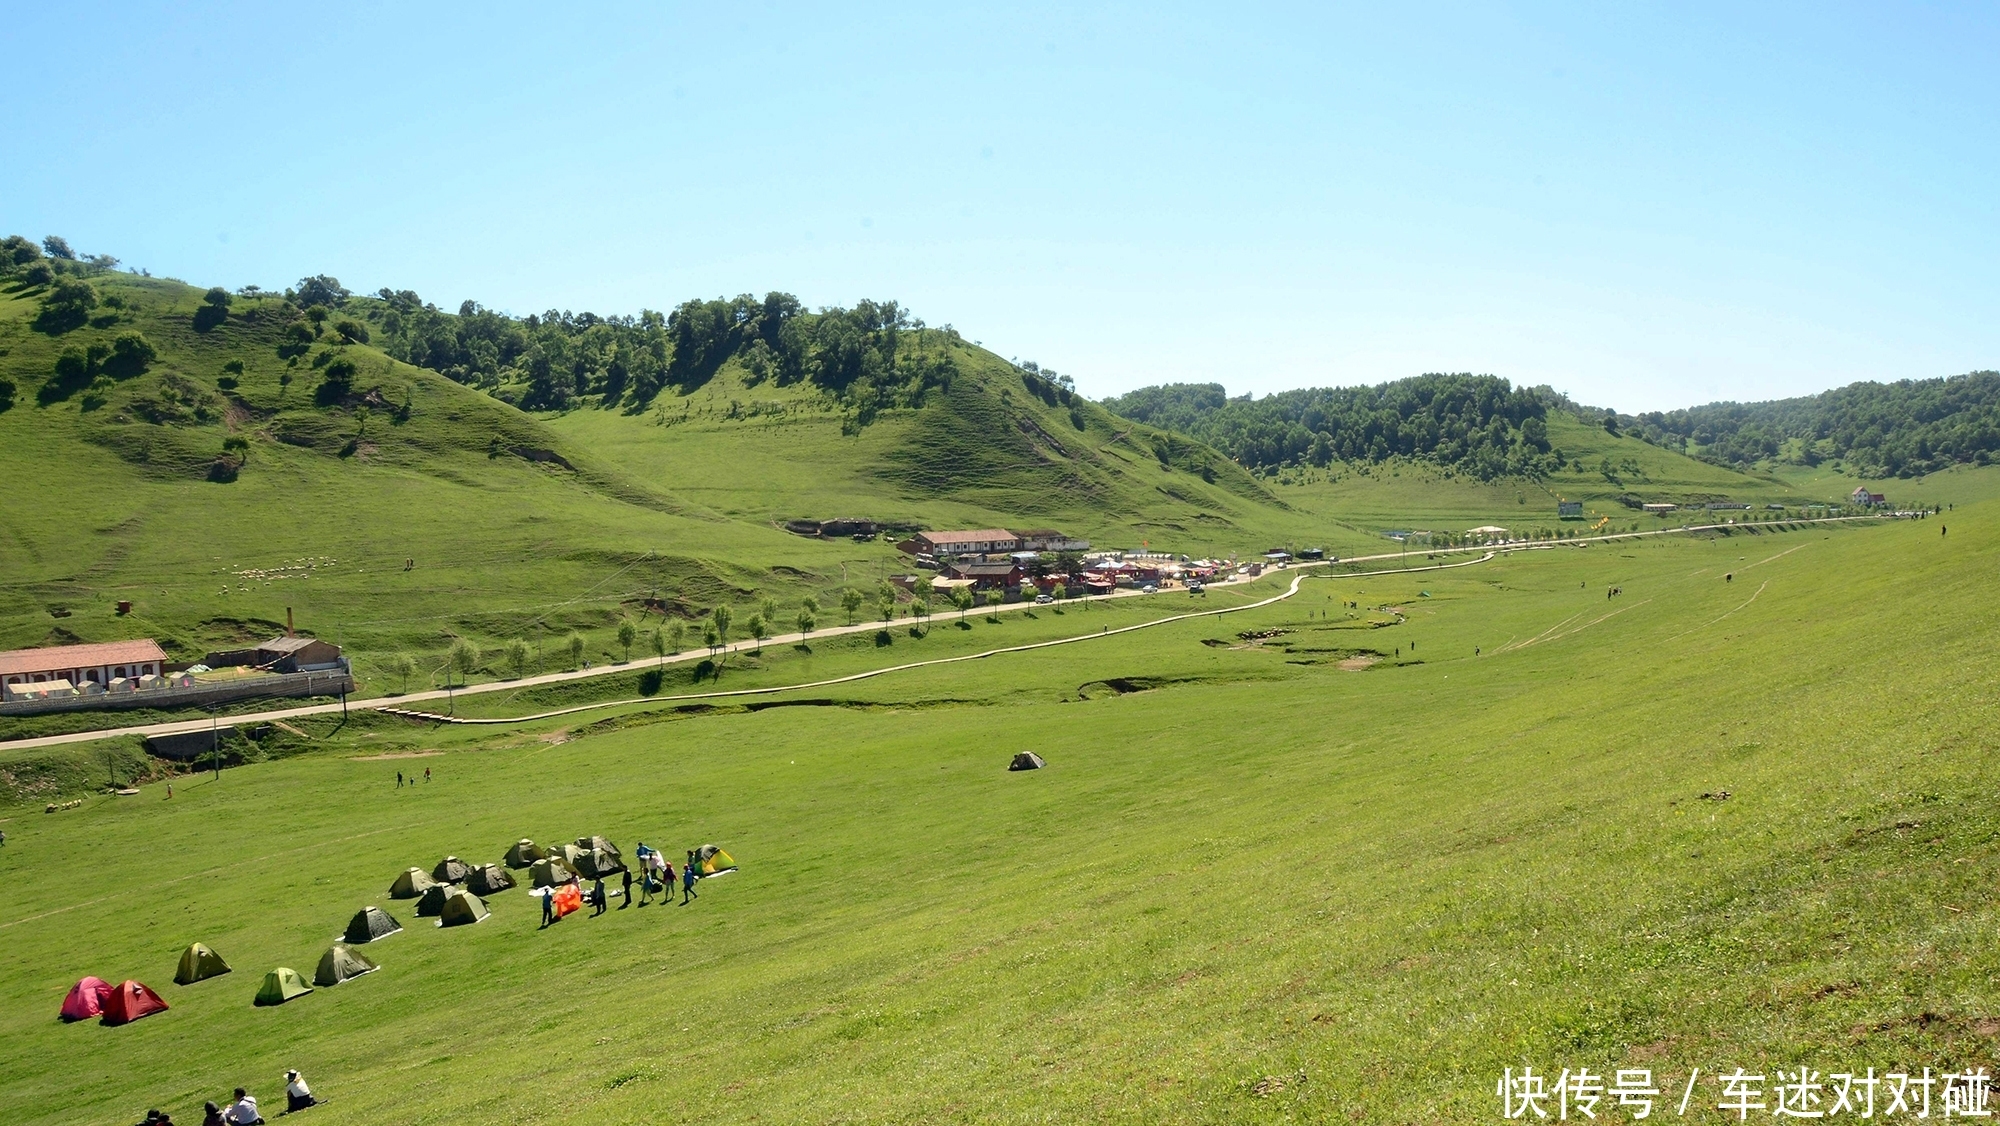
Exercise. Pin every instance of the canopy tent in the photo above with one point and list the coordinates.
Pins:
(489, 880)
(1026, 760)
(369, 924)
(130, 1001)
(86, 999)
(462, 907)
(411, 884)
(339, 964)
(524, 853)
(549, 872)
(281, 985)
(199, 963)
(598, 864)
(710, 859)
(451, 870)
(589, 843)
(432, 903)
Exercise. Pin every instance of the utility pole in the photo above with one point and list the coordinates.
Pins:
(215, 742)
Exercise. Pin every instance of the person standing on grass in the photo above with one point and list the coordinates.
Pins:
(548, 906)
(628, 890)
(666, 869)
(399, 779)
(688, 878)
(597, 892)
(427, 773)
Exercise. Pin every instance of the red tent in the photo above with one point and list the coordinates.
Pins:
(129, 1002)
(567, 898)
(86, 999)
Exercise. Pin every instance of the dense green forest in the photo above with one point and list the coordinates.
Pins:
(1476, 424)
(871, 357)
(1903, 429)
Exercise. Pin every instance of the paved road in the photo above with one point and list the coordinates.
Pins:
(401, 703)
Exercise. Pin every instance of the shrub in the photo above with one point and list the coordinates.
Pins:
(351, 331)
(66, 307)
(131, 354)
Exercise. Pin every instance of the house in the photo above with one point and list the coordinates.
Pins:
(979, 541)
(1659, 509)
(988, 576)
(97, 664)
(298, 654)
(1866, 499)
(1048, 539)
(1569, 510)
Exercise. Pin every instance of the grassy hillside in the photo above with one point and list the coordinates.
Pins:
(257, 461)
(1253, 885)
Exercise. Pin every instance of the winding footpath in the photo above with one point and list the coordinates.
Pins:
(399, 705)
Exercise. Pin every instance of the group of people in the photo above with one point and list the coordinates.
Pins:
(656, 876)
(242, 1109)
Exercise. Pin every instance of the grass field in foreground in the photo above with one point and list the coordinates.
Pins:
(1251, 864)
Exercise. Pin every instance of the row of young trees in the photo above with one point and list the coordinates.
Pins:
(1476, 424)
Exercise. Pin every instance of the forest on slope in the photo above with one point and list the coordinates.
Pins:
(1486, 427)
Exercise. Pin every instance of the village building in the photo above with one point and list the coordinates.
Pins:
(80, 665)
(1569, 510)
(988, 576)
(1659, 509)
(1048, 539)
(1866, 499)
(979, 541)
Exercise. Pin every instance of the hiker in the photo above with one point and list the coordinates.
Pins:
(399, 779)
(212, 1115)
(597, 893)
(243, 1112)
(298, 1096)
(628, 890)
(688, 878)
(548, 906)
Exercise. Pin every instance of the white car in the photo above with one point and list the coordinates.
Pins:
(1149, 590)
(1043, 600)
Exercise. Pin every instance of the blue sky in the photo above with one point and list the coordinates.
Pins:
(1645, 206)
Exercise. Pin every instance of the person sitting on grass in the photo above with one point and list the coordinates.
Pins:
(243, 1112)
(212, 1115)
(298, 1096)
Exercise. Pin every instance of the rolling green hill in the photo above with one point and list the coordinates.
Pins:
(1713, 822)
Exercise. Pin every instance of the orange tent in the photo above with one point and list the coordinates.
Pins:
(130, 1001)
(567, 898)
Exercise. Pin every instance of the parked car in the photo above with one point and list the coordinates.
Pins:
(1149, 589)
(1196, 588)
(1043, 600)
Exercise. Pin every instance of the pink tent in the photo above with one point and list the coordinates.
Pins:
(86, 999)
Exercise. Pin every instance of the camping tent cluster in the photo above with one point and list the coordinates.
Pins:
(451, 891)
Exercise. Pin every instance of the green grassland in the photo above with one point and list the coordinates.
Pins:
(1262, 879)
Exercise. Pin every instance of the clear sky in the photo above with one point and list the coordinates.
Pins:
(1645, 206)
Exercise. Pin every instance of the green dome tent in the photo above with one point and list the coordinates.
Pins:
(549, 872)
(589, 843)
(490, 880)
(571, 856)
(461, 907)
(340, 964)
(598, 864)
(524, 853)
(369, 924)
(451, 870)
(199, 963)
(433, 900)
(281, 985)
(411, 884)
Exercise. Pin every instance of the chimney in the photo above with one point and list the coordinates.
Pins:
(288, 623)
